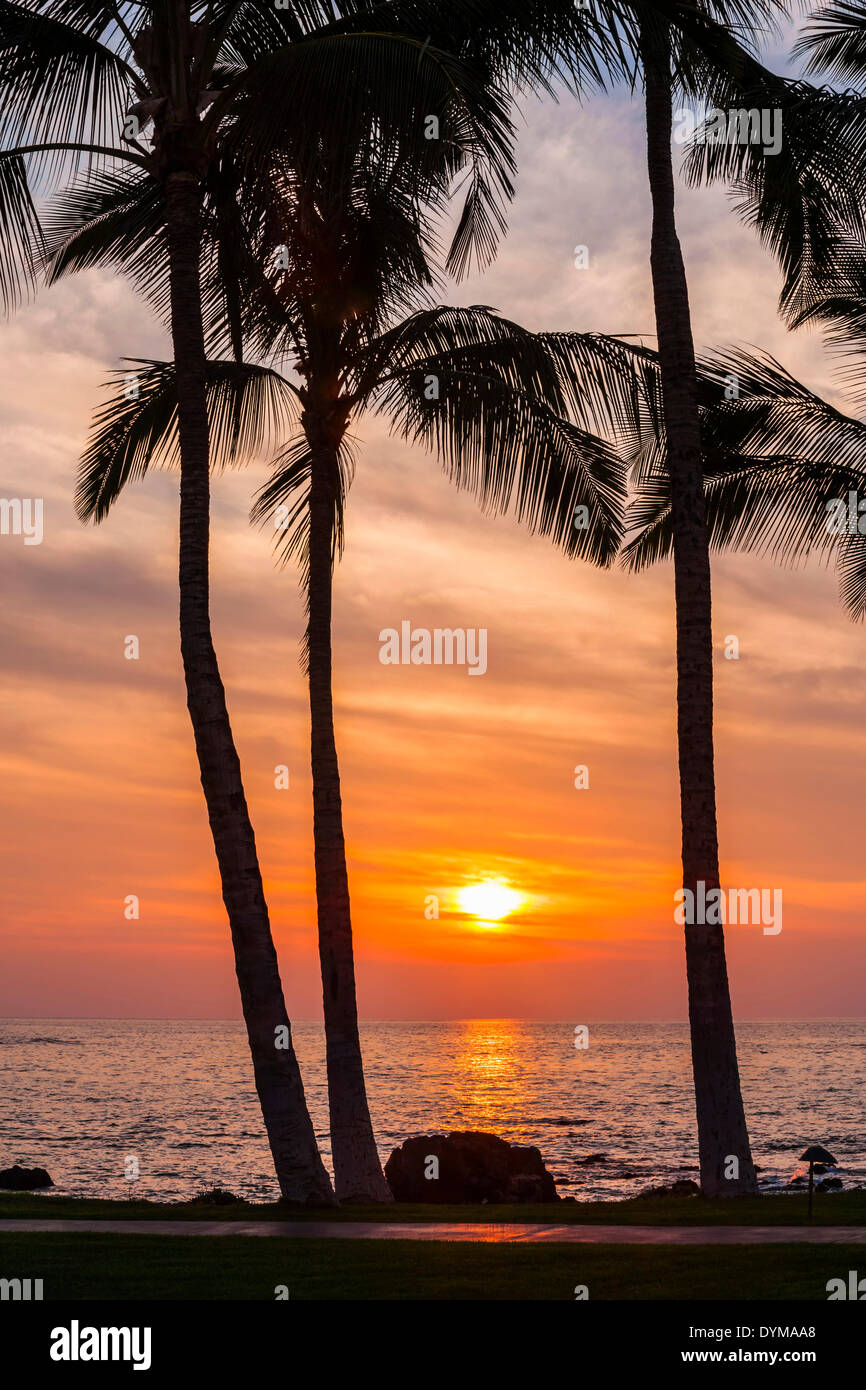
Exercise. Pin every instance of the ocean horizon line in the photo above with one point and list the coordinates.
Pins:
(456, 1018)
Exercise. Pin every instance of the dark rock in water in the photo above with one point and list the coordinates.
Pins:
(683, 1187)
(216, 1197)
(829, 1185)
(16, 1179)
(592, 1158)
(468, 1166)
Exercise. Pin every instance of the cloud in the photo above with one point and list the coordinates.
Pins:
(444, 778)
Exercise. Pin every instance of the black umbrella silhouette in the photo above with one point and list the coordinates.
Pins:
(815, 1154)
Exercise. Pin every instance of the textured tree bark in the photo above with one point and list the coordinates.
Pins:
(722, 1132)
(301, 1174)
(358, 1172)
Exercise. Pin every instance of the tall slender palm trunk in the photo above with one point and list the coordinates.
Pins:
(722, 1132)
(358, 1172)
(301, 1174)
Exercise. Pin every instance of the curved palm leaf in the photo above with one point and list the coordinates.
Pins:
(779, 463)
(21, 238)
(511, 414)
(59, 81)
(249, 408)
(833, 42)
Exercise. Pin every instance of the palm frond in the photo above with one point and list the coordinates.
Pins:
(21, 238)
(799, 198)
(779, 467)
(249, 407)
(59, 83)
(834, 43)
(111, 219)
(851, 572)
(504, 410)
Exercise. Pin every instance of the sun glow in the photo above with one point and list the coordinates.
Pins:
(489, 902)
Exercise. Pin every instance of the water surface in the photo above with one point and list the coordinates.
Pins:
(80, 1097)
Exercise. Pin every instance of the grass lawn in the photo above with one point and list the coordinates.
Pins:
(832, 1209)
(93, 1266)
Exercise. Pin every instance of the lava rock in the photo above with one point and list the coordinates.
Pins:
(17, 1179)
(470, 1167)
(216, 1197)
(683, 1187)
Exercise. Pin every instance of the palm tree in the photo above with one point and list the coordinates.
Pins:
(693, 49)
(350, 312)
(722, 1132)
(217, 84)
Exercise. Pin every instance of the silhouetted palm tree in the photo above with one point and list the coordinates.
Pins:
(722, 1132)
(350, 311)
(693, 50)
(218, 85)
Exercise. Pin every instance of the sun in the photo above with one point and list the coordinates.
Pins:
(489, 901)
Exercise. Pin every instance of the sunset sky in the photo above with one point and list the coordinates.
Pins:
(447, 780)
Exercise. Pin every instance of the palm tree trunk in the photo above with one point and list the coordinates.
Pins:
(722, 1133)
(358, 1172)
(300, 1171)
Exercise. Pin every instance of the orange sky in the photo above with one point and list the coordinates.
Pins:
(446, 779)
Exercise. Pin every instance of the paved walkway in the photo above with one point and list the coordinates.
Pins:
(463, 1231)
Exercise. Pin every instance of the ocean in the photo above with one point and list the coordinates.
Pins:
(81, 1097)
